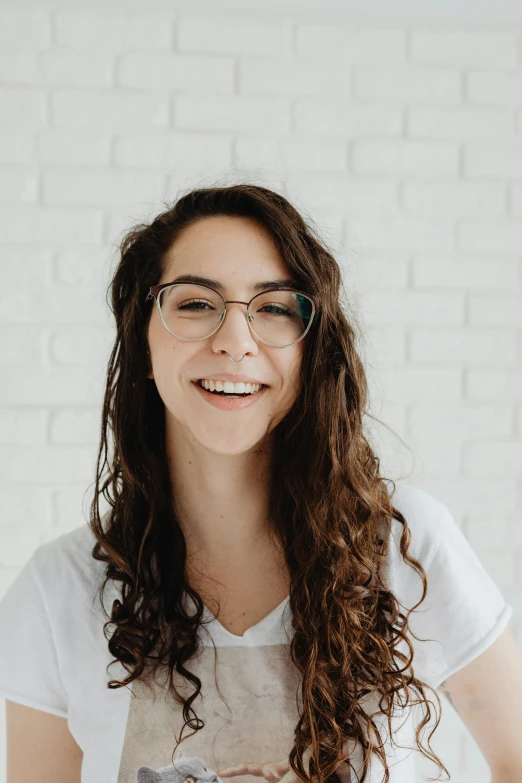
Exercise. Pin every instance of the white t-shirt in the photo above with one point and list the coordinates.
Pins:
(54, 655)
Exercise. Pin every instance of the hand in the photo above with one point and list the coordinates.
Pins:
(271, 771)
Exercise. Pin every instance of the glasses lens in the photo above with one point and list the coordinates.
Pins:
(191, 312)
(280, 318)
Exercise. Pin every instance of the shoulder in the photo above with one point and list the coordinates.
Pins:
(428, 520)
(65, 567)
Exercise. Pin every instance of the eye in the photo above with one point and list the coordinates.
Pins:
(189, 304)
(189, 779)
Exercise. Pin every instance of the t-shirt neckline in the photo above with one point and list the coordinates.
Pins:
(274, 628)
(274, 614)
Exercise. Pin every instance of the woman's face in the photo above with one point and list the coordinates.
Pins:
(236, 252)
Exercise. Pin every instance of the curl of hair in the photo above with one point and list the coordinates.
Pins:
(332, 510)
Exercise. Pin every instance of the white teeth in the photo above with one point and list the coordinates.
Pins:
(228, 387)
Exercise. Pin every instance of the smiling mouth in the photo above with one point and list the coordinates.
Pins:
(229, 395)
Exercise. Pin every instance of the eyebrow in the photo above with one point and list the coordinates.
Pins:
(263, 285)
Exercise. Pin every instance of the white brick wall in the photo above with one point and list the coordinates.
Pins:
(402, 141)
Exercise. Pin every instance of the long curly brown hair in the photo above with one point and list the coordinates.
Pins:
(332, 509)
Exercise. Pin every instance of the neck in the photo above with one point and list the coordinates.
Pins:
(222, 506)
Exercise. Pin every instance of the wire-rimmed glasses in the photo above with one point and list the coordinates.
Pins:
(278, 317)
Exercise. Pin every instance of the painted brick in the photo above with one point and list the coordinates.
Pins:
(489, 384)
(313, 155)
(457, 199)
(45, 465)
(407, 83)
(384, 343)
(231, 113)
(380, 269)
(25, 263)
(479, 421)
(156, 149)
(103, 186)
(515, 198)
(40, 224)
(342, 42)
(410, 158)
(118, 220)
(31, 26)
(79, 345)
(496, 310)
(92, 31)
(34, 305)
(460, 47)
(89, 264)
(246, 36)
(410, 384)
(180, 72)
(436, 456)
(400, 233)
(493, 347)
(258, 151)
(76, 69)
(22, 107)
(293, 77)
(346, 119)
(415, 307)
(465, 123)
(73, 147)
(18, 66)
(493, 160)
(18, 145)
(75, 427)
(352, 196)
(18, 185)
(21, 347)
(518, 121)
(494, 88)
(470, 272)
(71, 508)
(108, 110)
(46, 386)
(23, 428)
(488, 235)
(493, 457)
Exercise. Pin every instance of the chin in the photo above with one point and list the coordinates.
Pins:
(231, 444)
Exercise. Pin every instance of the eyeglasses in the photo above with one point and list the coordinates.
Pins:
(278, 317)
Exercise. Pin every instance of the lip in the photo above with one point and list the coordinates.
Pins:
(227, 376)
(233, 404)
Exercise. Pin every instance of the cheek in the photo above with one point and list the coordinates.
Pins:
(291, 375)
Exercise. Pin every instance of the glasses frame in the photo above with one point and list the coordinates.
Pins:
(156, 289)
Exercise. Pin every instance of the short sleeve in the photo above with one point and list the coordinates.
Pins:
(463, 612)
(29, 668)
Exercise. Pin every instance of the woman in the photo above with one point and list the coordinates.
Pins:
(248, 515)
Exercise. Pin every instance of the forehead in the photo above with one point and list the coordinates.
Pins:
(225, 246)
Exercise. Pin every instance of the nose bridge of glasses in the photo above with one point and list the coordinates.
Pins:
(235, 301)
(228, 310)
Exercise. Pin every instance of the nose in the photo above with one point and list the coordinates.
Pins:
(234, 335)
